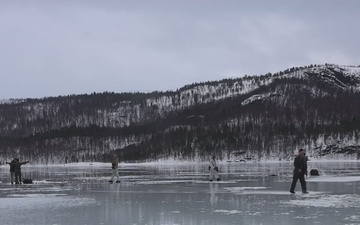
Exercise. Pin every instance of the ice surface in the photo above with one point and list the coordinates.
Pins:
(249, 193)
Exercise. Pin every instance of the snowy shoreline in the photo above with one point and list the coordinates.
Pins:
(106, 164)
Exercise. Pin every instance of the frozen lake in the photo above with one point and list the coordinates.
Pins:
(181, 194)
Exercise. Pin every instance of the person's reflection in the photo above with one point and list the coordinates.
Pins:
(213, 191)
(114, 190)
(113, 203)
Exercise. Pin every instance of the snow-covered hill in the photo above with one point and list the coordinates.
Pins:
(261, 115)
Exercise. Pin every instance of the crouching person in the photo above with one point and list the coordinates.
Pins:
(213, 170)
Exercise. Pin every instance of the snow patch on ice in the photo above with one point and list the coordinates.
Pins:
(35, 195)
(214, 182)
(163, 182)
(228, 212)
(265, 191)
(45, 202)
(328, 201)
(353, 218)
(151, 182)
(334, 179)
(259, 192)
(48, 182)
(41, 187)
(237, 189)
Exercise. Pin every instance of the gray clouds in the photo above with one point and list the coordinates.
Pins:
(51, 48)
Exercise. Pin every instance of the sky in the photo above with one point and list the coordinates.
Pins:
(64, 47)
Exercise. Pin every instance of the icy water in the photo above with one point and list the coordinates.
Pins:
(249, 193)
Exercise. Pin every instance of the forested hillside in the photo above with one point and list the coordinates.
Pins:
(316, 107)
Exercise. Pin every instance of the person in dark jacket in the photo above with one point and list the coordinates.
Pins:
(300, 170)
(12, 170)
(17, 168)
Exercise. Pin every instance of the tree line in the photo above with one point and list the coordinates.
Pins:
(303, 112)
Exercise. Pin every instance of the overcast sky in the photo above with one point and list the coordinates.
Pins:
(61, 47)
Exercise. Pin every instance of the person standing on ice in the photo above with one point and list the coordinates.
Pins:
(12, 170)
(300, 170)
(17, 170)
(115, 167)
(213, 170)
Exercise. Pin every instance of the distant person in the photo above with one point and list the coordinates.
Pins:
(17, 168)
(115, 167)
(12, 170)
(300, 170)
(213, 170)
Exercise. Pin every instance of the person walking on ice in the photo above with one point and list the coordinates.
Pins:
(300, 170)
(213, 170)
(115, 167)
